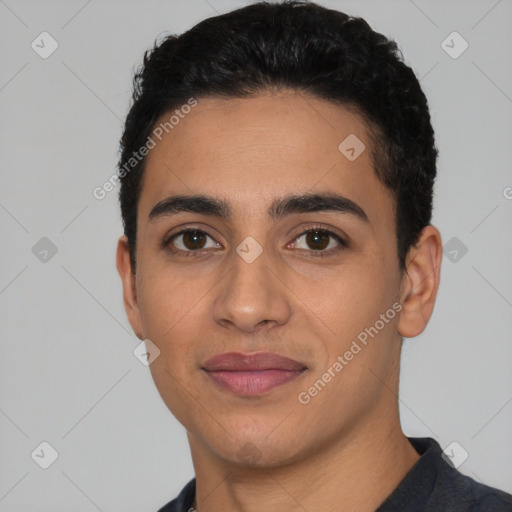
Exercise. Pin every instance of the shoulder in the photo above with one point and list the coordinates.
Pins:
(455, 491)
(435, 485)
(473, 496)
(183, 502)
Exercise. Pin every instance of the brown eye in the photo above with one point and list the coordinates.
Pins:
(317, 240)
(190, 240)
(194, 240)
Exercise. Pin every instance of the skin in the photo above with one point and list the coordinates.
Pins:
(346, 443)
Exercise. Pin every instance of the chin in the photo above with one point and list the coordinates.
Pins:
(259, 452)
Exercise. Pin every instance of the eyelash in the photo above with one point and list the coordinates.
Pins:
(321, 253)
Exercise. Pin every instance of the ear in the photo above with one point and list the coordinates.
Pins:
(420, 282)
(124, 268)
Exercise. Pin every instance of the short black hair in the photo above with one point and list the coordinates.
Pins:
(304, 47)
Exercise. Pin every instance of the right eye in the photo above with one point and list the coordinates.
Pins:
(191, 241)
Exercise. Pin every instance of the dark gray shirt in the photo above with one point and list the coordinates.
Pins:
(432, 485)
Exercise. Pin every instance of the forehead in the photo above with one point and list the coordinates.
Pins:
(253, 149)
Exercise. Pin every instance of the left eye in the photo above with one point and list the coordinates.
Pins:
(192, 240)
(318, 240)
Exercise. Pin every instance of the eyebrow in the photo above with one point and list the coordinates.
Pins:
(280, 207)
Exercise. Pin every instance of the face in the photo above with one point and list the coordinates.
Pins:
(273, 298)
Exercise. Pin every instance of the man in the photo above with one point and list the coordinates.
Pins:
(277, 173)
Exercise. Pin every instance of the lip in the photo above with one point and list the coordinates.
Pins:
(251, 374)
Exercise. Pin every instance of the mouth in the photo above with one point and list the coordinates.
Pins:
(252, 374)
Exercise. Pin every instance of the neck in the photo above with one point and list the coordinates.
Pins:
(357, 471)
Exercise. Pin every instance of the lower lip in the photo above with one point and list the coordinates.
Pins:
(252, 383)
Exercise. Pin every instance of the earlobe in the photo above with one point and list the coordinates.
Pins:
(420, 283)
(129, 285)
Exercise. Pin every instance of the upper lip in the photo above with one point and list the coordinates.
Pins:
(237, 361)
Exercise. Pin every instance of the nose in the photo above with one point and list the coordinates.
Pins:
(252, 297)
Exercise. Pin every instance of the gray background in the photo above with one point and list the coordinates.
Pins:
(68, 374)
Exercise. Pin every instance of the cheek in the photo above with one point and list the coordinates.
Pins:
(357, 306)
(170, 312)
(172, 321)
(362, 357)
(165, 300)
(175, 391)
(350, 298)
